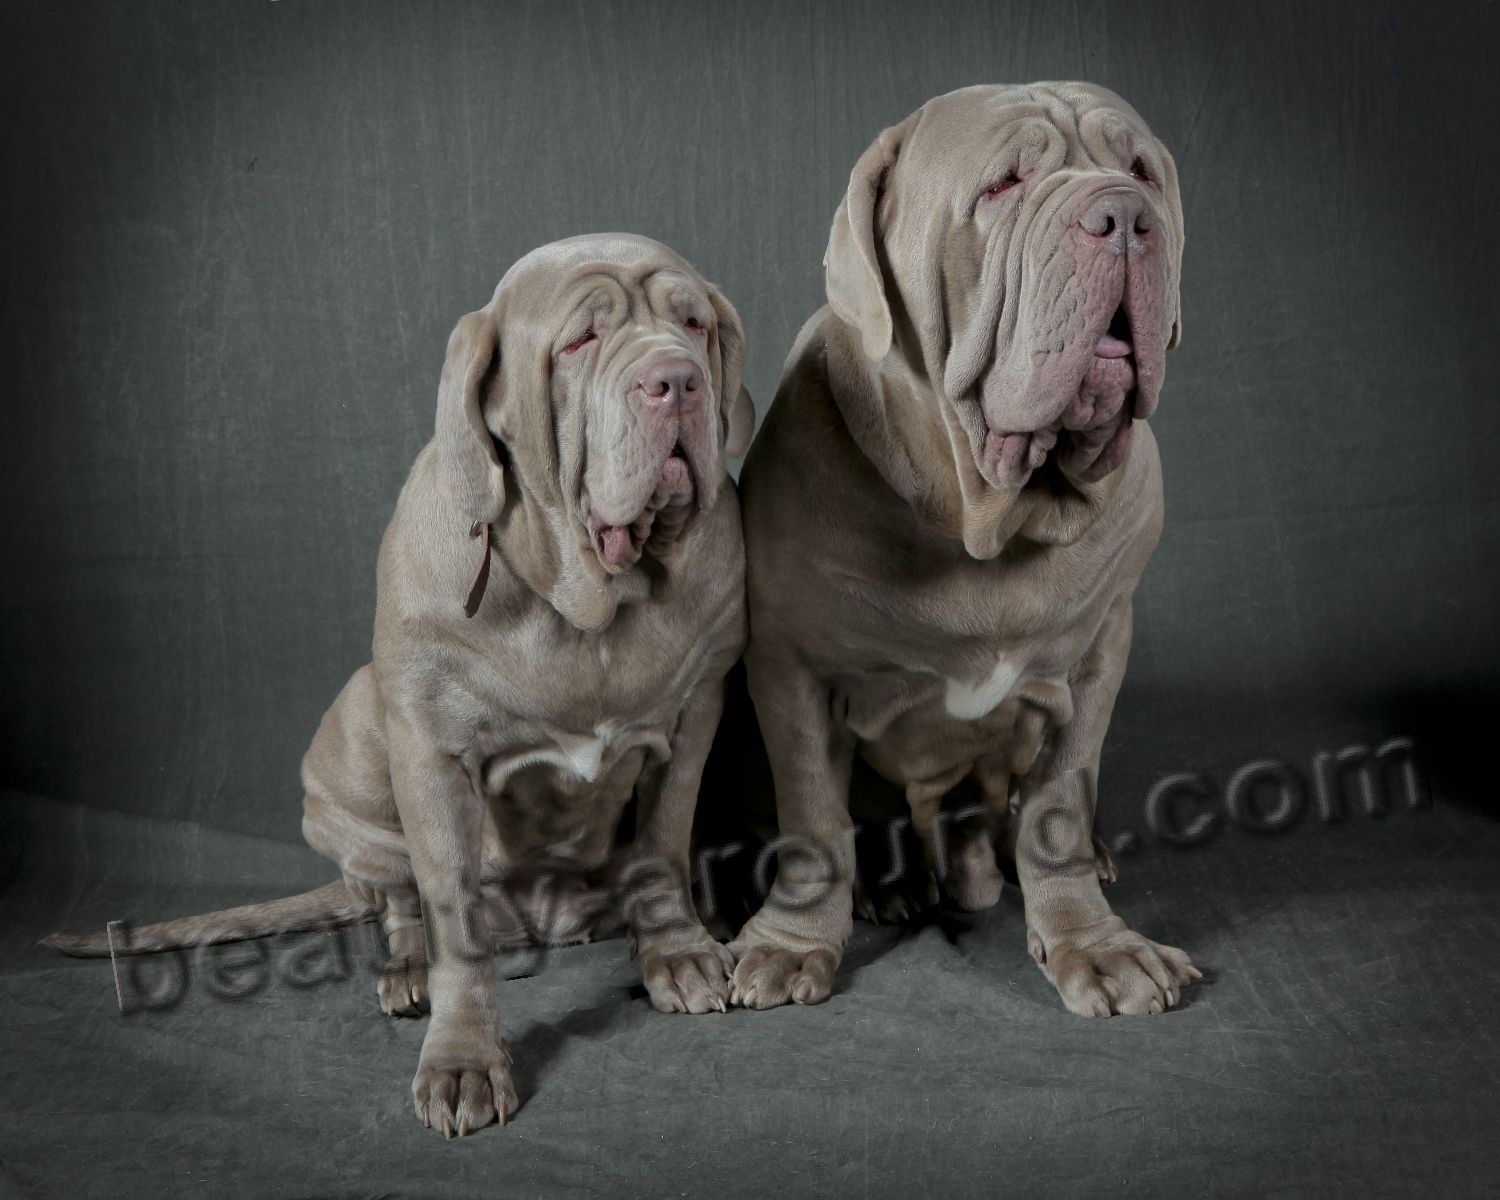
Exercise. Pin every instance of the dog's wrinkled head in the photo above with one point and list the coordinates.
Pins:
(1020, 249)
(597, 395)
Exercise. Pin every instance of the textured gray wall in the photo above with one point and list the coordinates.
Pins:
(237, 236)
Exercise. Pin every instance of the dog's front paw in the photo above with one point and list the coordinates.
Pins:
(1107, 968)
(768, 975)
(403, 987)
(689, 979)
(463, 1083)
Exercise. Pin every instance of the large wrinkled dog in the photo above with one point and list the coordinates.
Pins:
(560, 596)
(946, 513)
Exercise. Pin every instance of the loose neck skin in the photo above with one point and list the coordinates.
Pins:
(537, 548)
(913, 436)
(545, 545)
(530, 550)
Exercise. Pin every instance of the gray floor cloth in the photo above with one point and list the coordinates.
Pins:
(1344, 1043)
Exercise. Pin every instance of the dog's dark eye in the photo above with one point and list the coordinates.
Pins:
(1138, 170)
(1003, 186)
(574, 347)
(695, 325)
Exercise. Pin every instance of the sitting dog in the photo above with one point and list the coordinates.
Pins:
(560, 595)
(947, 511)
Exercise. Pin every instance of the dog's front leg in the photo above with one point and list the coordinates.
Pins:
(463, 1077)
(1098, 965)
(790, 949)
(683, 967)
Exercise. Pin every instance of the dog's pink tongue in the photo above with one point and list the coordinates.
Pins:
(1112, 347)
(614, 540)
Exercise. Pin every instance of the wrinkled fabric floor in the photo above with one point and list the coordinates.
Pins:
(1345, 1042)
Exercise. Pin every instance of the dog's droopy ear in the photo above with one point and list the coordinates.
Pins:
(466, 449)
(736, 409)
(1174, 209)
(851, 265)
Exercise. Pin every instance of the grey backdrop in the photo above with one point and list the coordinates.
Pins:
(236, 238)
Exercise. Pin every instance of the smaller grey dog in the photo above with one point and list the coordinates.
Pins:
(560, 595)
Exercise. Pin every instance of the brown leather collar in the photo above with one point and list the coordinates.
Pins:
(472, 601)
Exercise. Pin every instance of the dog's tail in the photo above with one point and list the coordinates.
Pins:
(327, 907)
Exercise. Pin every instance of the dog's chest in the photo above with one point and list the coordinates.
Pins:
(591, 707)
(923, 725)
(558, 808)
(969, 699)
(572, 761)
(558, 768)
(575, 699)
(982, 667)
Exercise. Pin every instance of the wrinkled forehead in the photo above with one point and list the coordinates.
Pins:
(1081, 124)
(612, 269)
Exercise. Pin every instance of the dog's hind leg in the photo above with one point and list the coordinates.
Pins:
(403, 982)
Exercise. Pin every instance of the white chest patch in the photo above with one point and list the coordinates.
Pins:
(585, 755)
(589, 757)
(970, 701)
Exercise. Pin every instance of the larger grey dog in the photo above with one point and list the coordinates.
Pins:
(946, 513)
(560, 596)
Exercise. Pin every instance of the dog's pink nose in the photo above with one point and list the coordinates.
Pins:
(1119, 221)
(671, 384)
